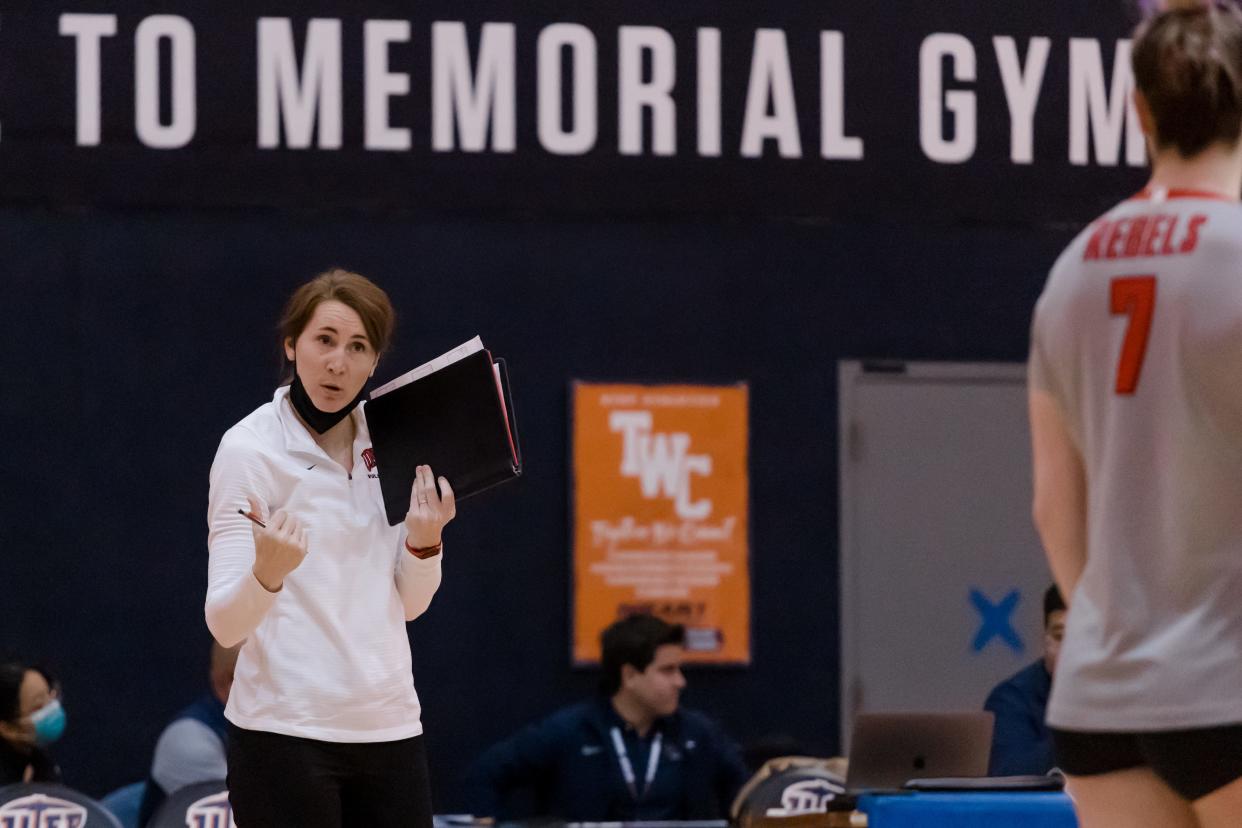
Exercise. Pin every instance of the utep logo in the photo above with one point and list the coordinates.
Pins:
(661, 462)
(211, 812)
(368, 457)
(42, 811)
(810, 796)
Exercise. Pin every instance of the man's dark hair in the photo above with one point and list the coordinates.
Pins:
(1053, 602)
(633, 640)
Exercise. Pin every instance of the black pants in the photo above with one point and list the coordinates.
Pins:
(1194, 763)
(286, 782)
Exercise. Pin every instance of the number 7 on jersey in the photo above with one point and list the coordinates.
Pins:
(1134, 296)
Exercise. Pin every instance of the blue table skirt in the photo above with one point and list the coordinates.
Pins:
(993, 809)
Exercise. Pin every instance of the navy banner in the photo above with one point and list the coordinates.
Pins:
(638, 108)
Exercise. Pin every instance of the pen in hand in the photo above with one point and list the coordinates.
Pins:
(252, 518)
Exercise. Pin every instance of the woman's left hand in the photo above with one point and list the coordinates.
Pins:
(429, 510)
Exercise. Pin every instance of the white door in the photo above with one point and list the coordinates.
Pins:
(942, 573)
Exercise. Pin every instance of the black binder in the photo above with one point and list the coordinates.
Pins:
(458, 420)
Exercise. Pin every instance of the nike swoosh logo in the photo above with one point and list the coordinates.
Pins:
(591, 750)
(311, 466)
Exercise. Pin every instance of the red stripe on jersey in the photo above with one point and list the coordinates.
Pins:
(1146, 193)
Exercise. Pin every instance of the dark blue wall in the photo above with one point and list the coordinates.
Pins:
(140, 297)
(134, 340)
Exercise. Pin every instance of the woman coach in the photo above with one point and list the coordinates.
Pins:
(325, 726)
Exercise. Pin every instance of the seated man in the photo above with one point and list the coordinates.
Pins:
(630, 754)
(1021, 743)
(192, 747)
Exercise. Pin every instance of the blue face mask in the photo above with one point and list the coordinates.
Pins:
(49, 722)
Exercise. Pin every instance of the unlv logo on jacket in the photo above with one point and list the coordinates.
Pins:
(211, 812)
(42, 811)
(368, 457)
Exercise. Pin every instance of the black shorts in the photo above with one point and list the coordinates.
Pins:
(1194, 763)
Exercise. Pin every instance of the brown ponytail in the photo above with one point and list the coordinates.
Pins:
(1188, 64)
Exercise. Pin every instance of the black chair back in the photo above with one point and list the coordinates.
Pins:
(205, 805)
(42, 805)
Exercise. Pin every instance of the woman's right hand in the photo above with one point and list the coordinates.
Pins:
(278, 549)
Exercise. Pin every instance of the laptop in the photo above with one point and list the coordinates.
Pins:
(889, 749)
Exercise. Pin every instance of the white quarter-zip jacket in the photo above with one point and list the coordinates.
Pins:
(326, 657)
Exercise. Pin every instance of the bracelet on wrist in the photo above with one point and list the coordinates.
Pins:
(425, 552)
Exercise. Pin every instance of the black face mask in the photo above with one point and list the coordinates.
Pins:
(321, 421)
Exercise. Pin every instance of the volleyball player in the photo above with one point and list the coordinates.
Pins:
(1136, 419)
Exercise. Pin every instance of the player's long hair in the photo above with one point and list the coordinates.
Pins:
(1187, 58)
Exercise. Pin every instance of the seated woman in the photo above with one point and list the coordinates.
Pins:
(31, 718)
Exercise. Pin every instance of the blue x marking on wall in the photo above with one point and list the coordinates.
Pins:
(996, 620)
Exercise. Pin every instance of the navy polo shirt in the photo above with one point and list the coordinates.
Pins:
(1021, 741)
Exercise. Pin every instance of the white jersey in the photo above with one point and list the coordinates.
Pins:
(1138, 336)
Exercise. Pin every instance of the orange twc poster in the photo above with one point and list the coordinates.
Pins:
(660, 497)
